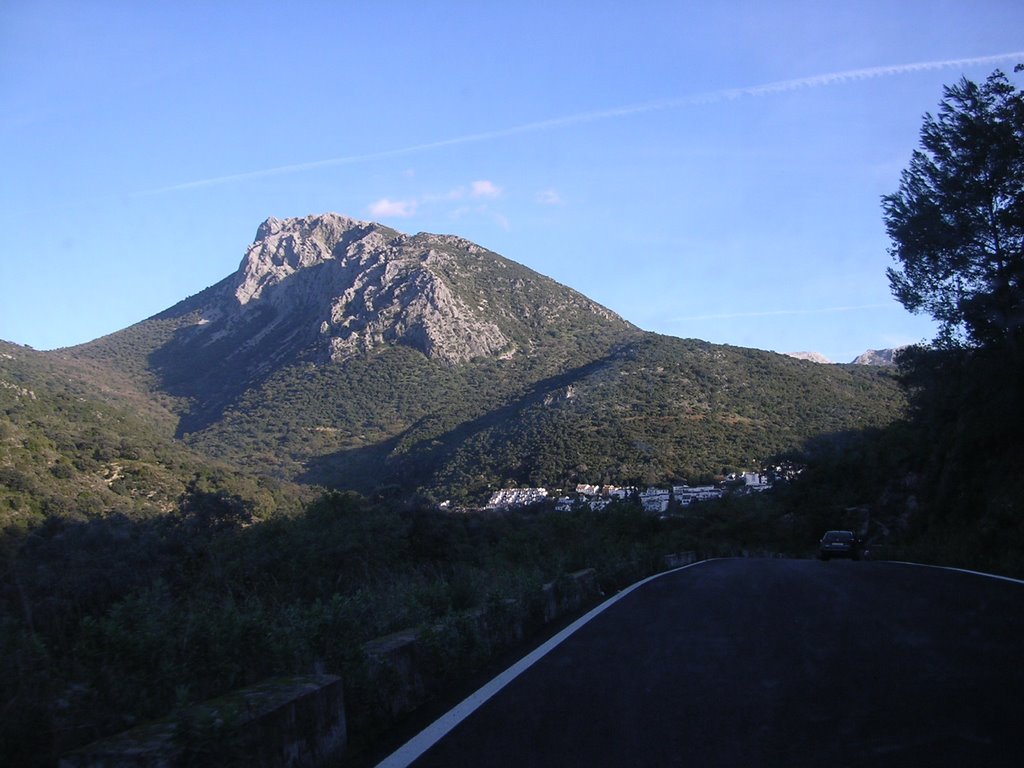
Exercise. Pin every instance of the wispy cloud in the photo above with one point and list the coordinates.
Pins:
(389, 209)
(485, 189)
(784, 312)
(549, 197)
(765, 89)
(482, 189)
(853, 75)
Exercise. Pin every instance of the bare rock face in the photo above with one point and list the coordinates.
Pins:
(881, 357)
(282, 248)
(354, 285)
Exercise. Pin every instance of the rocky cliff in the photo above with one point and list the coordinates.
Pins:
(883, 357)
(358, 286)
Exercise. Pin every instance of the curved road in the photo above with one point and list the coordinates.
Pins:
(763, 662)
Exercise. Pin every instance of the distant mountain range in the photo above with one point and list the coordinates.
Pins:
(881, 357)
(878, 357)
(348, 354)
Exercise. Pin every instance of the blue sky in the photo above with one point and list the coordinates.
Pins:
(707, 170)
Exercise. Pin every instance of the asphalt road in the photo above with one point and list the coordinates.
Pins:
(766, 662)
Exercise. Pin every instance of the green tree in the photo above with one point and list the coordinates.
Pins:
(957, 221)
(957, 231)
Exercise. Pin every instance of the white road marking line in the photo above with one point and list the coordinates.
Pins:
(959, 570)
(434, 732)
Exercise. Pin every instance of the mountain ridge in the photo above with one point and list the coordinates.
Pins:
(345, 353)
(877, 357)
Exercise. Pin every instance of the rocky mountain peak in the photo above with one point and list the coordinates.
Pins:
(882, 357)
(356, 285)
(327, 287)
(283, 247)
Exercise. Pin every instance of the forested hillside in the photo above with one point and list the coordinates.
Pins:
(348, 355)
(69, 451)
(652, 410)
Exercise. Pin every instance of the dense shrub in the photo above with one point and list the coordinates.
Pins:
(111, 621)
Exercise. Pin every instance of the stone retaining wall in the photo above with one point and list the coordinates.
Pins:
(401, 669)
(289, 721)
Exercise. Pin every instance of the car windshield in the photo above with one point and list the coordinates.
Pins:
(838, 536)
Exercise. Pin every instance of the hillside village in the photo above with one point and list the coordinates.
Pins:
(654, 500)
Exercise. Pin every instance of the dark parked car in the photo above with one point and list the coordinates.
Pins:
(839, 544)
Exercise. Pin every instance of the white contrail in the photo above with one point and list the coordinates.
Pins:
(833, 78)
(781, 86)
(784, 312)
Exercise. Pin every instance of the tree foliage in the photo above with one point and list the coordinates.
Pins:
(657, 410)
(957, 221)
(957, 230)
